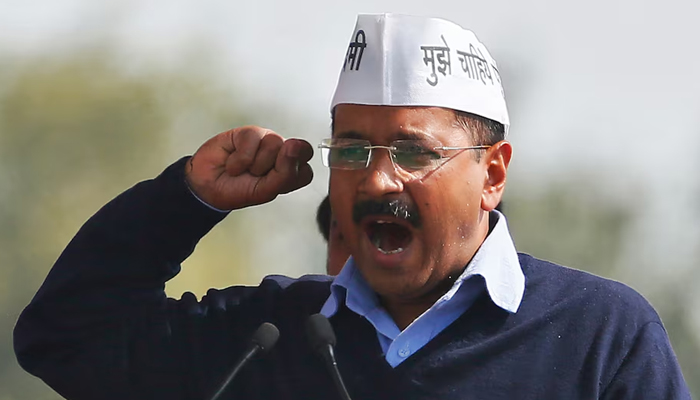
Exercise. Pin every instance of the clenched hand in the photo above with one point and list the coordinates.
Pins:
(248, 166)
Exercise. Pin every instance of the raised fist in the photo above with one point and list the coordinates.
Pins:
(248, 166)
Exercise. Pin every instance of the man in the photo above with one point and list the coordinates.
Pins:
(434, 303)
(328, 226)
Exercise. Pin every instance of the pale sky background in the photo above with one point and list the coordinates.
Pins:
(610, 88)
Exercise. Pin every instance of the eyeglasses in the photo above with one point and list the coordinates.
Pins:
(413, 155)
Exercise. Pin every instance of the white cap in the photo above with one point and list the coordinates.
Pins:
(401, 60)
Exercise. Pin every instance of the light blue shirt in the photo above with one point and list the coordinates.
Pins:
(496, 262)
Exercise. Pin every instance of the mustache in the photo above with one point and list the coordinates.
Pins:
(395, 208)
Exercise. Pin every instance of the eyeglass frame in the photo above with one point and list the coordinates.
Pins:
(392, 155)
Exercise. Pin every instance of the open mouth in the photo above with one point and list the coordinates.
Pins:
(387, 236)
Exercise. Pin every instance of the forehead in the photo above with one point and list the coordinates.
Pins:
(390, 122)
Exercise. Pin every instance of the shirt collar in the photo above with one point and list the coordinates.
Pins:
(496, 261)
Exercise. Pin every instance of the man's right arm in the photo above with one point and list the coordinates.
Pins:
(101, 325)
(105, 293)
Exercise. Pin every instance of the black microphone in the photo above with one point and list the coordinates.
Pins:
(322, 339)
(263, 340)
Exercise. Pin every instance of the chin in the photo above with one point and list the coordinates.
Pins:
(394, 282)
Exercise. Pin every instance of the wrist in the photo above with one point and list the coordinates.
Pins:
(188, 169)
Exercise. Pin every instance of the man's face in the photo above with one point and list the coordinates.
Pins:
(337, 251)
(401, 260)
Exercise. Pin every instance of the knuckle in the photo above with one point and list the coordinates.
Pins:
(273, 142)
(247, 135)
(254, 131)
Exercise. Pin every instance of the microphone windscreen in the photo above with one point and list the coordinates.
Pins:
(266, 336)
(320, 331)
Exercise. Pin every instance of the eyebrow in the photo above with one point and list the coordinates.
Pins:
(411, 135)
(401, 135)
(349, 135)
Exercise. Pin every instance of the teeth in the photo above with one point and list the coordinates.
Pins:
(399, 250)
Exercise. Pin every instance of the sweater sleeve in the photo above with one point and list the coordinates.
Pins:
(101, 325)
(649, 370)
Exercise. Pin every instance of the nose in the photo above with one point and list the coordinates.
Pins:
(381, 176)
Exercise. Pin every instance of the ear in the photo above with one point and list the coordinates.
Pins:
(497, 159)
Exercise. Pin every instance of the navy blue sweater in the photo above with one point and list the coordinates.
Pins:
(101, 327)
